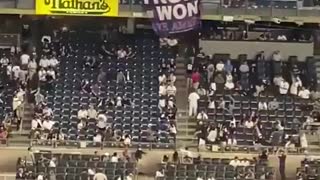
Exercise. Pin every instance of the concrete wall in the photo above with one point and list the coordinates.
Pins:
(7, 3)
(234, 48)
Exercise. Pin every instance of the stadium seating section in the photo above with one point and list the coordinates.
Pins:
(67, 97)
(75, 166)
(291, 110)
(310, 169)
(216, 168)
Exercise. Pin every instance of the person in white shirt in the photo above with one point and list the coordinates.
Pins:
(162, 90)
(16, 70)
(229, 85)
(44, 62)
(193, 103)
(53, 62)
(102, 122)
(212, 88)
(127, 140)
(276, 56)
(171, 90)
(281, 37)
(48, 124)
(114, 158)
(173, 129)
(159, 174)
(202, 116)
(212, 135)
(277, 80)
(172, 42)
(249, 124)
(262, 106)
(220, 66)
(235, 162)
(42, 75)
(35, 123)
(283, 87)
(212, 104)
(47, 112)
(92, 113)
(4, 61)
(83, 113)
(100, 176)
(172, 78)
(40, 177)
(97, 138)
(121, 53)
(304, 93)
(91, 172)
(52, 163)
(24, 60)
(51, 74)
(80, 125)
(162, 79)
(9, 71)
(296, 84)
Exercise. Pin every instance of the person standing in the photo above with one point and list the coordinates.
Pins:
(193, 103)
(282, 163)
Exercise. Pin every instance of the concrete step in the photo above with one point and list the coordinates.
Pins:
(180, 71)
(180, 65)
(181, 136)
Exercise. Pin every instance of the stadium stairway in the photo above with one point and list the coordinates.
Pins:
(185, 127)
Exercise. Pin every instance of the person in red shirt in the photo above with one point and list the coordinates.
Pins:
(195, 79)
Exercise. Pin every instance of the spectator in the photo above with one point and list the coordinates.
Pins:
(281, 37)
(244, 68)
(210, 72)
(38, 97)
(235, 162)
(48, 124)
(24, 60)
(201, 91)
(4, 61)
(52, 163)
(121, 78)
(193, 103)
(97, 138)
(175, 157)
(44, 62)
(212, 134)
(250, 174)
(228, 67)
(273, 105)
(52, 175)
(220, 66)
(296, 84)
(229, 85)
(165, 159)
(262, 106)
(127, 140)
(162, 78)
(16, 71)
(100, 176)
(53, 62)
(114, 158)
(51, 74)
(212, 88)
(202, 116)
(36, 123)
(3, 133)
(162, 90)
(47, 112)
(282, 163)
(92, 113)
(32, 68)
(304, 93)
(283, 87)
(195, 79)
(159, 174)
(171, 90)
(83, 113)
(172, 78)
(173, 130)
(212, 104)
(138, 154)
(102, 122)
(276, 56)
(81, 124)
(249, 124)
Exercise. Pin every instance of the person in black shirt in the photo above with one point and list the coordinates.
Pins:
(282, 163)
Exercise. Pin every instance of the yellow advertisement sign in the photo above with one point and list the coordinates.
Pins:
(77, 7)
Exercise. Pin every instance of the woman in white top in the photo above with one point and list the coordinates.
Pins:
(296, 84)
(42, 75)
(229, 82)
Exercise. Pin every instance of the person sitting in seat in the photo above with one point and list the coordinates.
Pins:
(210, 72)
(201, 91)
(276, 56)
(244, 68)
(262, 106)
(83, 113)
(220, 66)
(304, 93)
(284, 87)
(273, 105)
(202, 116)
(172, 78)
(296, 84)
(171, 90)
(228, 67)
(229, 85)
(212, 88)
(121, 78)
(235, 162)
(44, 62)
(162, 78)
(162, 90)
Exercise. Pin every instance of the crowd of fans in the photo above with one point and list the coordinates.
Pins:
(218, 83)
